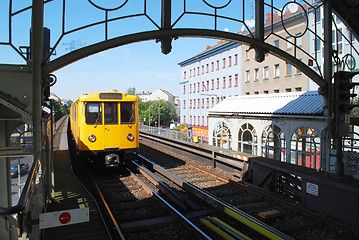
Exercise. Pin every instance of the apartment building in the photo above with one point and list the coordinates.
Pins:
(208, 78)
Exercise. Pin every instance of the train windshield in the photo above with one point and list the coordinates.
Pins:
(93, 113)
(127, 112)
(110, 110)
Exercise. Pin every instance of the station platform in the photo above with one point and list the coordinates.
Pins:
(71, 196)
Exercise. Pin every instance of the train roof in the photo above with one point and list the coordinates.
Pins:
(107, 96)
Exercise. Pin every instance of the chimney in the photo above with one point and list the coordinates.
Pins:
(268, 15)
(208, 46)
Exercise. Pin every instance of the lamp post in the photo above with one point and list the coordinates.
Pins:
(159, 114)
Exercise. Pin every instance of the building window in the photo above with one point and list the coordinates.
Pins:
(298, 39)
(199, 103)
(230, 81)
(199, 120)
(222, 136)
(273, 141)
(184, 75)
(190, 73)
(229, 61)
(276, 90)
(190, 88)
(256, 74)
(236, 80)
(247, 55)
(213, 102)
(194, 103)
(184, 118)
(247, 77)
(266, 73)
(198, 87)
(247, 139)
(207, 68)
(224, 82)
(317, 15)
(212, 84)
(289, 69)
(224, 63)
(276, 71)
(289, 42)
(212, 66)
(276, 43)
(235, 59)
(265, 91)
(194, 87)
(305, 144)
(190, 104)
(202, 102)
(203, 86)
(203, 123)
(207, 85)
(298, 89)
(256, 93)
(184, 104)
(197, 71)
(288, 90)
(217, 65)
(207, 102)
(217, 83)
(247, 93)
(184, 89)
(190, 119)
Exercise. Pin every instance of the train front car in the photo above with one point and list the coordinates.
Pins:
(105, 127)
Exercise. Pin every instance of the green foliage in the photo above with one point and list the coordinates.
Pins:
(154, 111)
(131, 91)
(60, 109)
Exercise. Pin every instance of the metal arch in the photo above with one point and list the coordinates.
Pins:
(175, 33)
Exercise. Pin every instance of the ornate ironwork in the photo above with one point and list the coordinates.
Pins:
(101, 21)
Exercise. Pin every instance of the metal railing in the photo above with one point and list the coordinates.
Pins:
(27, 191)
(174, 134)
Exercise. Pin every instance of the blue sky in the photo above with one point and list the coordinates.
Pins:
(139, 65)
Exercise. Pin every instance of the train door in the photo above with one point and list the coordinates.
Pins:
(111, 127)
(128, 126)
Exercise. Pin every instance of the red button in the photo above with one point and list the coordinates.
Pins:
(65, 217)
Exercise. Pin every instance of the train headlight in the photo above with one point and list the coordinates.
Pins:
(92, 138)
(130, 137)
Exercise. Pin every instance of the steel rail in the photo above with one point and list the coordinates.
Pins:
(230, 210)
(174, 212)
(117, 227)
(20, 206)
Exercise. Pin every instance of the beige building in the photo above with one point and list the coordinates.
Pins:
(274, 75)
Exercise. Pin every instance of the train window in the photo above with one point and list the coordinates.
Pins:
(110, 111)
(93, 113)
(127, 112)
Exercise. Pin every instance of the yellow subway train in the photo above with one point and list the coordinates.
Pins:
(105, 128)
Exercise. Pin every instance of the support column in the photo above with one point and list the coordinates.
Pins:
(259, 33)
(4, 182)
(328, 99)
(36, 54)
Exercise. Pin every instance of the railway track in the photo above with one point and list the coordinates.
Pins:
(180, 201)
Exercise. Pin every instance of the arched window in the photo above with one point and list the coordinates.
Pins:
(305, 145)
(351, 142)
(247, 139)
(222, 136)
(273, 141)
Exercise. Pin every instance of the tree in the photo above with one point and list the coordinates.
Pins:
(159, 112)
(131, 91)
(60, 109)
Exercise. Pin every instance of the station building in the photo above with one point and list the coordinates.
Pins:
(288, 127)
